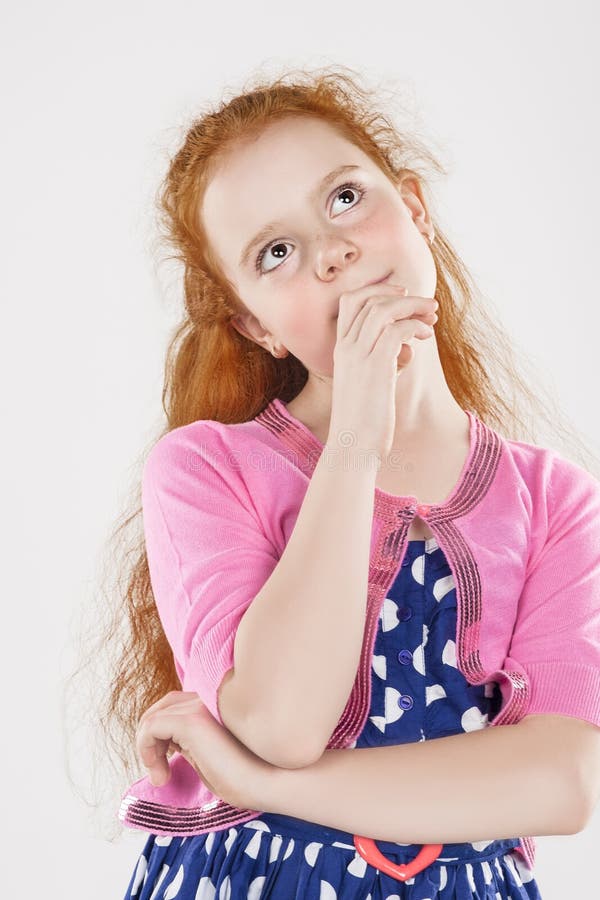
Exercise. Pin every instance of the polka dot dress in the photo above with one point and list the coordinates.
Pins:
(418, 693)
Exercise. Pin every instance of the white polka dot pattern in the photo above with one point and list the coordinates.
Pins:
(417, 693)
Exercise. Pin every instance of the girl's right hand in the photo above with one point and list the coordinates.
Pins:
(375, 326)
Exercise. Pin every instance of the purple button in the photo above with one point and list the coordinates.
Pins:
(404, 613)
(406, 701)
(405, 657)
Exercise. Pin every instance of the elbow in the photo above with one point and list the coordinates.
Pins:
(285, 757)
(581, 819)
(577, 807)
(284, 752)
(256, 734)
(577, 822)
(584, 785)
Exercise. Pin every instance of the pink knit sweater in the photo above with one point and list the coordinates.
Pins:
(520, 531)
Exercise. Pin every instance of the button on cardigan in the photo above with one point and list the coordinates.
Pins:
(520, 530)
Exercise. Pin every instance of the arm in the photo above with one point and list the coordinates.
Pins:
(498, 782)
(273, 700)
(252, 628)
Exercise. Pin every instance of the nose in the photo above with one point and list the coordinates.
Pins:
(333, 253)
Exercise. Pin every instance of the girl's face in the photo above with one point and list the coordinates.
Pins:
(331, 234)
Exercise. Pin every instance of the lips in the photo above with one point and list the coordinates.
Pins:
(378, 280)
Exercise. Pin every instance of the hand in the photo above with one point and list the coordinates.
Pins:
(180, 721)
(375, 328)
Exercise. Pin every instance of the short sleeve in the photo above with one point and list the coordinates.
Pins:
(207, 553)
(556, 638)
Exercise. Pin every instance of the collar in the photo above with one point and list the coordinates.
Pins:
(474, 480)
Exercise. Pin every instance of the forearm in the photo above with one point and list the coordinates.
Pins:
(481, 785)
(305, 627)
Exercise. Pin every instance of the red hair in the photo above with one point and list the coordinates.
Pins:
(475, 353)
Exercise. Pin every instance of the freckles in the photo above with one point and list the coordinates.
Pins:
(386, 224)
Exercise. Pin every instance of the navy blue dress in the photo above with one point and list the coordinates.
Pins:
(418, 693)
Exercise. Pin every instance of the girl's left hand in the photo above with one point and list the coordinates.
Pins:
(180, 721)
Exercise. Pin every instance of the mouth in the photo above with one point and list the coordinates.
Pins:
(376, 281)
(379, 280)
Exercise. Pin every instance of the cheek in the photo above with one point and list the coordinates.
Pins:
(415, 263)
(387, 223)
(310, 333)
(308, 324)
(401, 231)
(390, 235)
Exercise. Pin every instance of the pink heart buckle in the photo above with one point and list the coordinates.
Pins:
(373, 855)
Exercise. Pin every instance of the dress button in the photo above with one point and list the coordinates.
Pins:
(405, 656)
(406, 701)
(404, 613)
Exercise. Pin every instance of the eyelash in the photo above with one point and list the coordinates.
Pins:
(350, 184)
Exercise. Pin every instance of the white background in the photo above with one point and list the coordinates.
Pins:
(93, 98)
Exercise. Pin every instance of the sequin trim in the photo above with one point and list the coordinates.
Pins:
(395, 515)
(179, 821)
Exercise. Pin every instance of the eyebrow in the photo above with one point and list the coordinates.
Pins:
(268, 229)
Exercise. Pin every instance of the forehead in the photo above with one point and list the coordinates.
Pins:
(269, 178)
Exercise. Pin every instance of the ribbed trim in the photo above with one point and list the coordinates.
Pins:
(583, 701)
(394, 514)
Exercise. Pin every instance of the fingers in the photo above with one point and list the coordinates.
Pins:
(371, 311)
(168, 700)
(162, 727)
(398, 335)
(154, 737)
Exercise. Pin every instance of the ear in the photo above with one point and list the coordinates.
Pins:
(250, 327)
(412, 194)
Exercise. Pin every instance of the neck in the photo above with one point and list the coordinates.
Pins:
(425, 406)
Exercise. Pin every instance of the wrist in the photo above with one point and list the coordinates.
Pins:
(351, 456)
(268, 789)
(261, 788)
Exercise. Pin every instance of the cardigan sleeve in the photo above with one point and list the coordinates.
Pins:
(556, 638)
(207, 553)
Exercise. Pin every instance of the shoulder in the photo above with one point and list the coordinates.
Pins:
(563, 503)
(546, 471)
(204, 441)
(209, 457)
(200, 439)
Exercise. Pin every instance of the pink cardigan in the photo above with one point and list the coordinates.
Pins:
(520, 530)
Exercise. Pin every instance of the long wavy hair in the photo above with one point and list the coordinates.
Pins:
(125, 650)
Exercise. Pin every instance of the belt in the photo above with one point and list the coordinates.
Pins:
(369, 850)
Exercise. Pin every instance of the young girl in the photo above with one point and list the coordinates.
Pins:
(342, 552)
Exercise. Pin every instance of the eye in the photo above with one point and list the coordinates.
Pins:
(349, 188)
(276, 248)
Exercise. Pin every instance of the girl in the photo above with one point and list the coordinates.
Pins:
(341, 551)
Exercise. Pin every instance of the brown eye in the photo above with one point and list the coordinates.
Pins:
(276, 248)
(349, 188)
